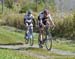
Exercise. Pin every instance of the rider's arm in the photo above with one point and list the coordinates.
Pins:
(51, 21)
(33, 20)
(25, 17)
(24, 21)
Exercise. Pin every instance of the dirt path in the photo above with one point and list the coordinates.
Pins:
(19, 47)
(40, 56)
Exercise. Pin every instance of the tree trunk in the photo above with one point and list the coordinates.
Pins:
(2, 6)
(36, 5)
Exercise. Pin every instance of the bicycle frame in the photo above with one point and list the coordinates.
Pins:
(47, 38)
(29, 32)
(30, 35)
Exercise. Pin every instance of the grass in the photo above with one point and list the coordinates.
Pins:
(42, 52)
(18, 37)
(13, 35)
(0, 7)
(11, 54)
(5, 8)
(66, 45)
(48, 53)
(9, 35)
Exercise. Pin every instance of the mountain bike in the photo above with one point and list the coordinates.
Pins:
(29, 36)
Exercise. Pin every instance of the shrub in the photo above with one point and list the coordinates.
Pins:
(65, 28)
(15, 20)
(9, 3)
(27, 7)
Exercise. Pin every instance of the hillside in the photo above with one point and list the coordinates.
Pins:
(14, 38)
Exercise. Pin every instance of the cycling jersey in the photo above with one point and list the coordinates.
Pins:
(42, 18)
(28, 19)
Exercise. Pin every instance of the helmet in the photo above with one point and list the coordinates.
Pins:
(46, 11)
(29, 12)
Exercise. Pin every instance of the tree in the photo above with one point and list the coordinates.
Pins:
(36, 4)
(9, 3)
(2, 6)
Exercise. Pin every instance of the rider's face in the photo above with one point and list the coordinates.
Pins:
(45, 14)
(29, 14)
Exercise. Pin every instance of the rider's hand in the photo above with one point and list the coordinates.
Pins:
(43, 25)
(53, 26)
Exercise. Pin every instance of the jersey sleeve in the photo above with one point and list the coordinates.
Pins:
(24, 19)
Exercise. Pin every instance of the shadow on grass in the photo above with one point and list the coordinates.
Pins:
(18, 46)
(11, 44)
(33, 48)
(29, 48)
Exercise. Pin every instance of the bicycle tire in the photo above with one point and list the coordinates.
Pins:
(48, 41)
(31, 41)
(26, 40)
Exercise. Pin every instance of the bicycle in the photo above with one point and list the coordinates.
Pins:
(29, 36)
(47, 38)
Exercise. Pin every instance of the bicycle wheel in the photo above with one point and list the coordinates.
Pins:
(48, 41)
(26, 39)
(31, 41)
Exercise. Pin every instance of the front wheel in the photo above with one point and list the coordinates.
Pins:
(48, 42)
(31, 41)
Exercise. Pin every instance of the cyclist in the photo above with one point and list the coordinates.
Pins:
(28, 21)
(44, 19)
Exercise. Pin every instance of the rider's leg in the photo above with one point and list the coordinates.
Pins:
(41, 34)
(40, 38)
(31, 31)
(26, 34)
(47, 31)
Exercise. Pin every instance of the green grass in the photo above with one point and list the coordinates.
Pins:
(0, 8)
(64, 45)
(11, 54)
(42, 52)
(5, 8)
(48, 53)
(9, 35)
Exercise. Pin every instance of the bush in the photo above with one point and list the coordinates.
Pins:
(65, 28)
(27, 7)
(9, 3)
(33, 7)
(15, 20)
